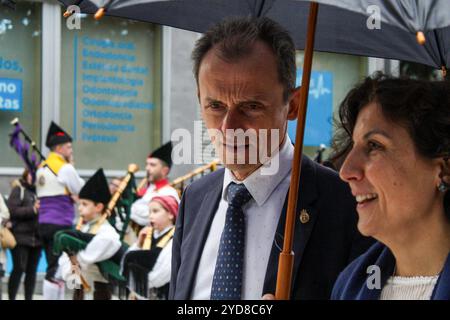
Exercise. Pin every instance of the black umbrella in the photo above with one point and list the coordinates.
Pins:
(338, 30)
(410, 15)
(9, 3)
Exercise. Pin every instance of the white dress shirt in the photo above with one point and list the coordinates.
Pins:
(262, 215)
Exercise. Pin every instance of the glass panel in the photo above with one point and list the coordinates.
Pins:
(110, 91)
(332, 78)
(20, 75)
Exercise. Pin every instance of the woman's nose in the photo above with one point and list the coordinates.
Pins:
(351, 169)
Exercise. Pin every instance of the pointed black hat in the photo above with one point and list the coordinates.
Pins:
(56, 135)
(96, 189)
(164, 153)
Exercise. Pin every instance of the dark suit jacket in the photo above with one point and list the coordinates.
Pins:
(323, 246)
(352, 283)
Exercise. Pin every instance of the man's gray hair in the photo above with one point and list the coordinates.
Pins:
(234, 38)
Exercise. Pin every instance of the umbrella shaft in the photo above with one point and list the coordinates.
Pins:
(283, 289)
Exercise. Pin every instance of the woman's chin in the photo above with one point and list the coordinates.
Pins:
(366, 225)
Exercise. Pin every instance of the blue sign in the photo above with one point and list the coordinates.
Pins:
(42, 265)
(319, 116)
(10, 95)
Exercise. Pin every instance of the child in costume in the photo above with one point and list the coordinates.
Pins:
(103, 242)
(147, 264)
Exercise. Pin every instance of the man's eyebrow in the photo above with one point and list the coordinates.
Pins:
(253, 99)
(208, 99)
(377, 131)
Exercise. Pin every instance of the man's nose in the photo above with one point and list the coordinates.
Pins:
(232, 120)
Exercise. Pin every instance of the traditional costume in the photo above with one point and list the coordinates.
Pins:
(148, 271)
(56, 181)
(101, 246)
(139, 209)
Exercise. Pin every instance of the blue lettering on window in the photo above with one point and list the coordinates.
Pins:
(10, 94)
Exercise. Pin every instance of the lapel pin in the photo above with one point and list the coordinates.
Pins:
(304, 216)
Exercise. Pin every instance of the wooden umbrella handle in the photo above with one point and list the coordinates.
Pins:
(286, 260)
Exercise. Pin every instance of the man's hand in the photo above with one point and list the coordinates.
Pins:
(268, 296)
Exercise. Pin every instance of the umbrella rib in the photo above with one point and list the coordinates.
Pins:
(440, 49)
(260, 9)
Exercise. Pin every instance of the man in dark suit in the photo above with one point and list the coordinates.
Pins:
(230, 226)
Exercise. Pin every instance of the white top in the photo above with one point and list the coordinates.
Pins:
(409, 288)
(49, 185)
(262, 214)
(69, 177)
(102, 247)
(140, 212)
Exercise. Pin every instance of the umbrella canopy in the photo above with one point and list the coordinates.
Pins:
(410, 15)
(9, 3)
(339, 29)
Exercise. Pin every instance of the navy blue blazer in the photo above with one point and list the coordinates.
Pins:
(352, 282)
(323, 246)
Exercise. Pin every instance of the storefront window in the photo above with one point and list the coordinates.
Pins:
(332, 78)
(110, 91)
(20, 74)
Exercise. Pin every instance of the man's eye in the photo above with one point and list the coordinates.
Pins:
(253, 106)
(215, 106)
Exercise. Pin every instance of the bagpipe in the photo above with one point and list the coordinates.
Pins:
(72, 241)
(138, 263)
(120, 204)
(26, 148)
(137, 193)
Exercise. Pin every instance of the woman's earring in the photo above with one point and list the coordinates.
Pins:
(443, 187)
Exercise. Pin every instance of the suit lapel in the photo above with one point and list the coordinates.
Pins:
(305, 201)
(442, 289)
(195, 241)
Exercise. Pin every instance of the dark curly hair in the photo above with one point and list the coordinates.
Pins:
(421, 107)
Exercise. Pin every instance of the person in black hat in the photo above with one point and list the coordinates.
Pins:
(93, 200)
(57, 184)
(158, 166)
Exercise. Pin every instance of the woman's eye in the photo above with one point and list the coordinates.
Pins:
(373, 146)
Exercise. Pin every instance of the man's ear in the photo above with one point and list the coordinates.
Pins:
(294, 101)
(165, 171)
